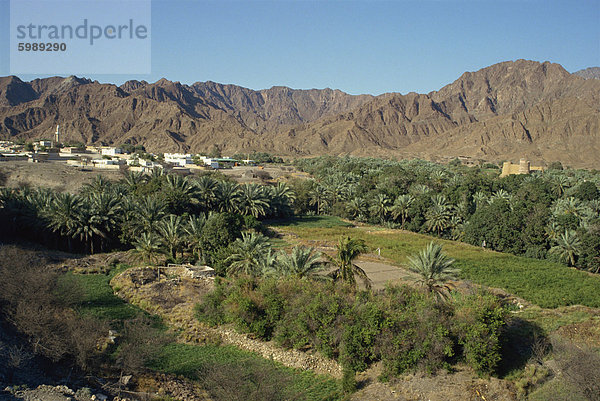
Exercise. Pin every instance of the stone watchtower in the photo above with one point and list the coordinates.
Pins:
(524, 167)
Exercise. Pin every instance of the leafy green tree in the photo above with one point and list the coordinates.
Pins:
(587, 191)
(434, 267)
(347, 250)
(220, 230)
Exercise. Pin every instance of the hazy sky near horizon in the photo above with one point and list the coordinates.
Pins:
(357, 46)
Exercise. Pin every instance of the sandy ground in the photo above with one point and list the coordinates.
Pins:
(60, 176)
(55, 175)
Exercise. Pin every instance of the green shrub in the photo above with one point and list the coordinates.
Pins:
(210, 310)
(415, 332)
(477, 324)
(348, 380)
(363, 325)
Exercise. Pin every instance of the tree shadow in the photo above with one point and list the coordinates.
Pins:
(524, 341)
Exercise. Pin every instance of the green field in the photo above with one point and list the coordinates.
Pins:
(244, 371)
(541, 282)
(98, 297)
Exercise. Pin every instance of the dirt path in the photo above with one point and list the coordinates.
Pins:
(382, 273)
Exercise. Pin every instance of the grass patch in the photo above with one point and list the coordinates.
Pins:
(555, 390)
(311, 222)
(552, 320)
(547, 284)
(250, 374)
(99, 299)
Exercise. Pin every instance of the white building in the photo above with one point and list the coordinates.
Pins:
(42, 144)
(111, 151)
(178, 158)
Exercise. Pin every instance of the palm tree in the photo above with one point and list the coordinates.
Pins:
(207, 190)
(147, 248)
(149, 212)
(193, 230)
(401, 207)
(179, 193)
(438, 217)
(568, 247)
(170, 230)
(246, 253)
(434, 267)
(348, 249)
(301, 262)
(97, 186)
(266, 265)
(63, 215)
(438, 177)
(480, 199)
(253, 200)
(106, 214)
(227, 196)
(87, 227)
(133, 180)
(318, 198)
(380, 207)
(500, 194)
(282, 199)
(357, 207)
(560, 184)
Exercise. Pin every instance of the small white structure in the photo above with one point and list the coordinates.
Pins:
(211, 162)
(180, 159)
(189, 271)
(42, 144)
(108, 151)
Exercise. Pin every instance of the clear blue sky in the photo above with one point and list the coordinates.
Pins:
(356, 46)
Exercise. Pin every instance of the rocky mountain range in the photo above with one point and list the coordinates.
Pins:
(506, 111)
(589, 73)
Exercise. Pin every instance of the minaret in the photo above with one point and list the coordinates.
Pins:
(57, 136)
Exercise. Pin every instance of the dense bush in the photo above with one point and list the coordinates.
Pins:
(416, 332)
(405, 328)
(478, 322)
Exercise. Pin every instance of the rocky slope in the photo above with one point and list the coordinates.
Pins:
(506, 111)
(589, 73)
